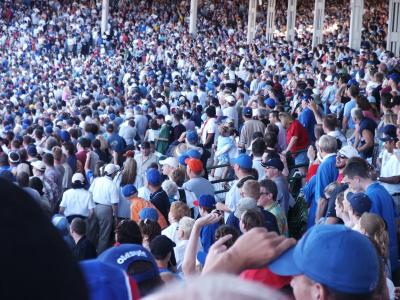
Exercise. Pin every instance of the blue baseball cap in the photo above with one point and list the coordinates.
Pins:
(48, 130)
(182, 158)
(395, 77)
(333, 255)
(192, 137)
(193, 153)
(270, 102)
(107, 282)
(129, 190)
(64, 135)
(153, 176)
(31, 150)
(247, 111)
(124, 255)
(389, 132)
(244, 161)
(205, 201)
(149, 213)
(360, 202)
(352, 82)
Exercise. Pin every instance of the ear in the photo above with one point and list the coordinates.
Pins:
(319, 292)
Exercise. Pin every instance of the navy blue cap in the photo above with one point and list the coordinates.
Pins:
(247, 111)
(193, 153)
(389, 132)
(335, 256)
(359, 202)
(244, 161)
(275, 163)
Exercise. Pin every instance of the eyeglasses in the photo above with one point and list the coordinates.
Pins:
(264, 193)
(341, 156)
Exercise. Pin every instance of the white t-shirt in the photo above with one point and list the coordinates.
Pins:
(171, 232)
(77, 202)
(232, 199)
(105, 191)
(210, 126)
(390, 167)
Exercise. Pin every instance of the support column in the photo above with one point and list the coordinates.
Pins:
(251, 24)
(357, 12)
(393, 39)
(193, 17)
(270, 20)
(318, 27)
(291, 20)
(104, 16)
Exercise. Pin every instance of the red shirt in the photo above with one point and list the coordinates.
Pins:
(296, 129)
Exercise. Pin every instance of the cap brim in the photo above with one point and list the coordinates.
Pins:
(285, 264)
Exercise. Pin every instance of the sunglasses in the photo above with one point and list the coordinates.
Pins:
(341, 156)
(269, 167)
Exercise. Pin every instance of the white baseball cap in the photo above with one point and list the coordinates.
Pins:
(78, 177)
(39, 165)
(170, 161)
(348, 151)
(110, 169)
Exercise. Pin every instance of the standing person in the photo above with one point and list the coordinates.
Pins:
(83, 248)
(77, 202)
(197, 183)
(242, 165)
(364, 134)
(273, 170)
(158, 196)
(296, 138)
(106, 198)
(144, 160)
(274, 119)
(209, 128)
(357, 175)
(165, 135)
(326, 173)
(249, 127)
(268, 201)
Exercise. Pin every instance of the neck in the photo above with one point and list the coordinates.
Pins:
(153, 188)
(365, 183)
(76, 237)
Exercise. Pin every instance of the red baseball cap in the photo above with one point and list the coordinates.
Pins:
(194, 164)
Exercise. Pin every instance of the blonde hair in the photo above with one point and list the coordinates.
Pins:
(375, 228)
(179, 210)
(251, 189)
(129, 173)
(186, 225)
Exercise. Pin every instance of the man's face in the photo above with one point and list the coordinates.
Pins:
(264, 197)
(354, 183)
(270, 172)
(145, 151)
(271, 118)
(302, 287)
(341, 161)
(389, 146)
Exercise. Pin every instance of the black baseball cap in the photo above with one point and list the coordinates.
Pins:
(160, 246)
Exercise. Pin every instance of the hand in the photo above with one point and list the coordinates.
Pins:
(311, 153)
(209, 219)
(220, 206)
(258, 247)
(312, 105)
(217, 248)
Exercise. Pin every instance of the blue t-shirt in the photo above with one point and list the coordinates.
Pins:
(370, 125)
(307, 119)
(207, 236)
(347, 112)
(383, 205)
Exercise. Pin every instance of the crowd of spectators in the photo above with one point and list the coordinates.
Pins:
(166, 159)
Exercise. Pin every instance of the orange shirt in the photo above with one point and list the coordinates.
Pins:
(138, 204)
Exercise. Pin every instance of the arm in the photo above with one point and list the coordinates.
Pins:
(292, 142)
(369, 140)
(223, 207)
(390, 180)
(189, 260)
(254, 249)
